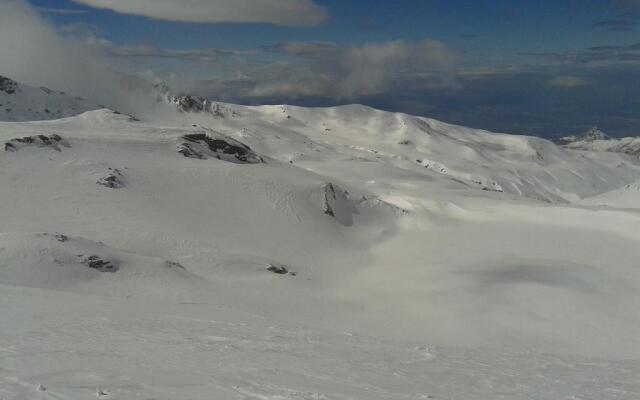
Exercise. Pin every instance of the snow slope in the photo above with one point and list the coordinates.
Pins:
(625, 197)
(20, 102)
(328, 139)
(279, 252)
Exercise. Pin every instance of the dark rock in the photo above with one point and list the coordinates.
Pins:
(57, 236)
(173, 264)
(97, 263)
(7, 85)
(188, 151)
(199, 145)
(60, 237)
(52, 141)
(329, 197)
(113, 180)
(278, 269)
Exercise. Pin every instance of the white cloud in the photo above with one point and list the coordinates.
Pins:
(73, 59)
(32, 52)
(372, 68)
(278, 12)
(568, 82)
(351, 72)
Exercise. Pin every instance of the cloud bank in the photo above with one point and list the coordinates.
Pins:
(555, 93)
(32, 52)
(349, 72)
(277, 12)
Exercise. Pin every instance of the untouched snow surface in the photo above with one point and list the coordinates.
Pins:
(423, 260)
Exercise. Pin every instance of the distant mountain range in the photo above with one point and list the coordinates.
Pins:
(596, 140)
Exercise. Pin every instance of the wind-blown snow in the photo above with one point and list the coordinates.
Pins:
(359, 255)
(25, 103)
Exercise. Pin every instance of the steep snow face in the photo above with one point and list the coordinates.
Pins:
(20, 102)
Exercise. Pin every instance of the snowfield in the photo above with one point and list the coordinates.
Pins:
(279, 252)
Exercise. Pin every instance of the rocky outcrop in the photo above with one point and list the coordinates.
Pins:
(278, 269)
(53, 141)
(595, 140)
(203, 146)
(193, 104)
(591, 135)
(113, 180)
(97, 263)
(7, 85)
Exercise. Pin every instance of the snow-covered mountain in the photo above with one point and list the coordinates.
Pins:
(480, 160)
(591, 135)
(186, 103)
(596, 140)
(20, 102)
(280, 252)
(628, 145)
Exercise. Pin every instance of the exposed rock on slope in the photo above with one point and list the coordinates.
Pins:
(344, 206)
(7, 85)
(61, 262)
(113, 180)
(52, 141)
(203, 146)
(97, 263)
(338, 205)
(186, 103)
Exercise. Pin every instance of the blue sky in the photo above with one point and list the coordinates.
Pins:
(538, 67)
